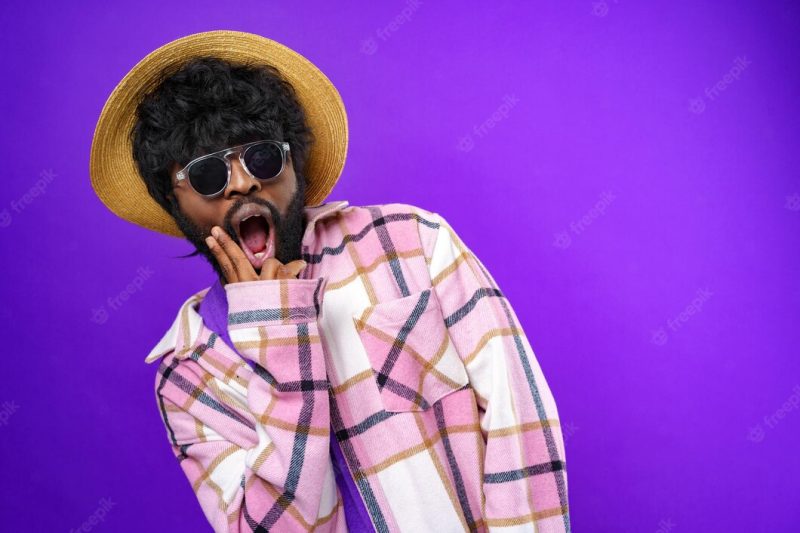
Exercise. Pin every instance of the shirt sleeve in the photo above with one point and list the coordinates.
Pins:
(524, 481)
(264, 466)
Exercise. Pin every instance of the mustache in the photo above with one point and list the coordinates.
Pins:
(277, 221)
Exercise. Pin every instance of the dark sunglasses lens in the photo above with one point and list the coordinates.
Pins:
(264, 160)
(209, 175)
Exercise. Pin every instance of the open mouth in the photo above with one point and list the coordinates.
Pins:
(256, 236)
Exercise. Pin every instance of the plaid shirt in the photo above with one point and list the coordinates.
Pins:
(397, 342)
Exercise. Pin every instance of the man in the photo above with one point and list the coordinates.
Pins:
(353, 368)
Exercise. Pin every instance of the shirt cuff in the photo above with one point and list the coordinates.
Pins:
(274, 301)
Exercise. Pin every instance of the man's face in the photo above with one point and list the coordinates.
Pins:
(276, 230)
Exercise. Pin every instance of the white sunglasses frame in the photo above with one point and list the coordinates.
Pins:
(183, 174)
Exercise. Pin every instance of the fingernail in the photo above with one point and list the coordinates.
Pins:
(215, 231)
(210, 241)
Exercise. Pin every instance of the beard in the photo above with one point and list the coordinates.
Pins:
(289, 228)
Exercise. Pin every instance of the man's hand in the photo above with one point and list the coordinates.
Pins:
(236, 267)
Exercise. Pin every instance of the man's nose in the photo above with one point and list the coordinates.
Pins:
(241, 182)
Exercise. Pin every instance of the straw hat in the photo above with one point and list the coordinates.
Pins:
(115, 177)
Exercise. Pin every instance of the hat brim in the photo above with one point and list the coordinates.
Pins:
(114, 175)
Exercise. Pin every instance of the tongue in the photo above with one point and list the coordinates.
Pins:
(254, 233)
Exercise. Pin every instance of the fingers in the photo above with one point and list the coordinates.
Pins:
(273, 269)
(222, 259)
(236, 267)
(294, 268)
(269, 268)
(240, 264)
(290, 270)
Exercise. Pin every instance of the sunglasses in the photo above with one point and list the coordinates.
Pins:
(210, 174)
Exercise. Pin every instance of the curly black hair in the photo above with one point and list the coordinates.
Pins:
(209, 104)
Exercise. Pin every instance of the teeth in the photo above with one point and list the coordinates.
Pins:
(259, 255)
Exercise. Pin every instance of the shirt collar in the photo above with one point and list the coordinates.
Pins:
(182, 335)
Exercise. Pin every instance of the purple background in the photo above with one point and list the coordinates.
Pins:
(607, 161)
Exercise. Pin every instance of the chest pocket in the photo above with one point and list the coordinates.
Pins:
(413, 359)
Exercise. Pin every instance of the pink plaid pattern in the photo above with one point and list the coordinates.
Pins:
(399, 338)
